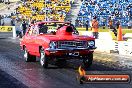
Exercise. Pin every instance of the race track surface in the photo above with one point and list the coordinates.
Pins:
(16, 73)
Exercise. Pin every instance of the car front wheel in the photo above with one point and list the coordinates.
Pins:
(28, 57)
(43, 59)
(88, 60)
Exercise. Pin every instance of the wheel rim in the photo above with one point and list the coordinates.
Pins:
(25, 54)
(42, 58)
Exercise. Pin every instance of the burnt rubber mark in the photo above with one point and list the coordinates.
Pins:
(7, 81)
(2, 38)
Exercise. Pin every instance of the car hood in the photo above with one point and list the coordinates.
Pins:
(66, 37)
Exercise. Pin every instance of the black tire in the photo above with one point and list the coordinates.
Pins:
(87, 61)
(28, 57)
(43, 59)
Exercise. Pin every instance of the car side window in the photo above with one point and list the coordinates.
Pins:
(35, 31)
(30, 31)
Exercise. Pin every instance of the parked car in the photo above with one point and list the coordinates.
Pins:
(56, 40)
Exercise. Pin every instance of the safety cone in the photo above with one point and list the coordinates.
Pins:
(119, 35)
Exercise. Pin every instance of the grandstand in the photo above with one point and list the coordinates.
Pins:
(47, 10)
(104, 9)
(59, 10)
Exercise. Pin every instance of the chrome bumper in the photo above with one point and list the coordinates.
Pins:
(71, 49)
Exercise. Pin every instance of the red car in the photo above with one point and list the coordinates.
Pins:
(56, 40)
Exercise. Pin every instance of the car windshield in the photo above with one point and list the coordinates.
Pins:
(42, 28)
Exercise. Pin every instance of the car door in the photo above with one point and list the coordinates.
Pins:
(34, 43)
(30, 39)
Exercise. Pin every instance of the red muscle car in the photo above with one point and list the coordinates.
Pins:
(56, 40)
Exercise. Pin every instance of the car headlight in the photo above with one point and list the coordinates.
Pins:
(91, 43)
(52, 45)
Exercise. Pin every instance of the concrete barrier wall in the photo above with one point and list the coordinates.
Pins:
(106, 44)
(7, 31)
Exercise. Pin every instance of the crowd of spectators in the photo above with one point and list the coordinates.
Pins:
(116, 10)
(30, 11)
(47, 10)
(5, 20)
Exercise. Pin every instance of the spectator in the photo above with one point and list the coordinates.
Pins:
(112, 27)
(95, 26)
(129, 24)
(90, 23)
(61, 18)
(76, 22)
(24, 26)
(104, 21)
(110, 24)
(117, 24)
(12, 22)
(18, 30)
(2, 21)
(87, 25)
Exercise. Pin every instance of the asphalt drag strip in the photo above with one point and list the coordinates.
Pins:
(7, 81)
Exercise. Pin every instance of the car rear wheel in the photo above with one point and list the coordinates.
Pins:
(43, 59)
(87, 61)
(28, 57)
